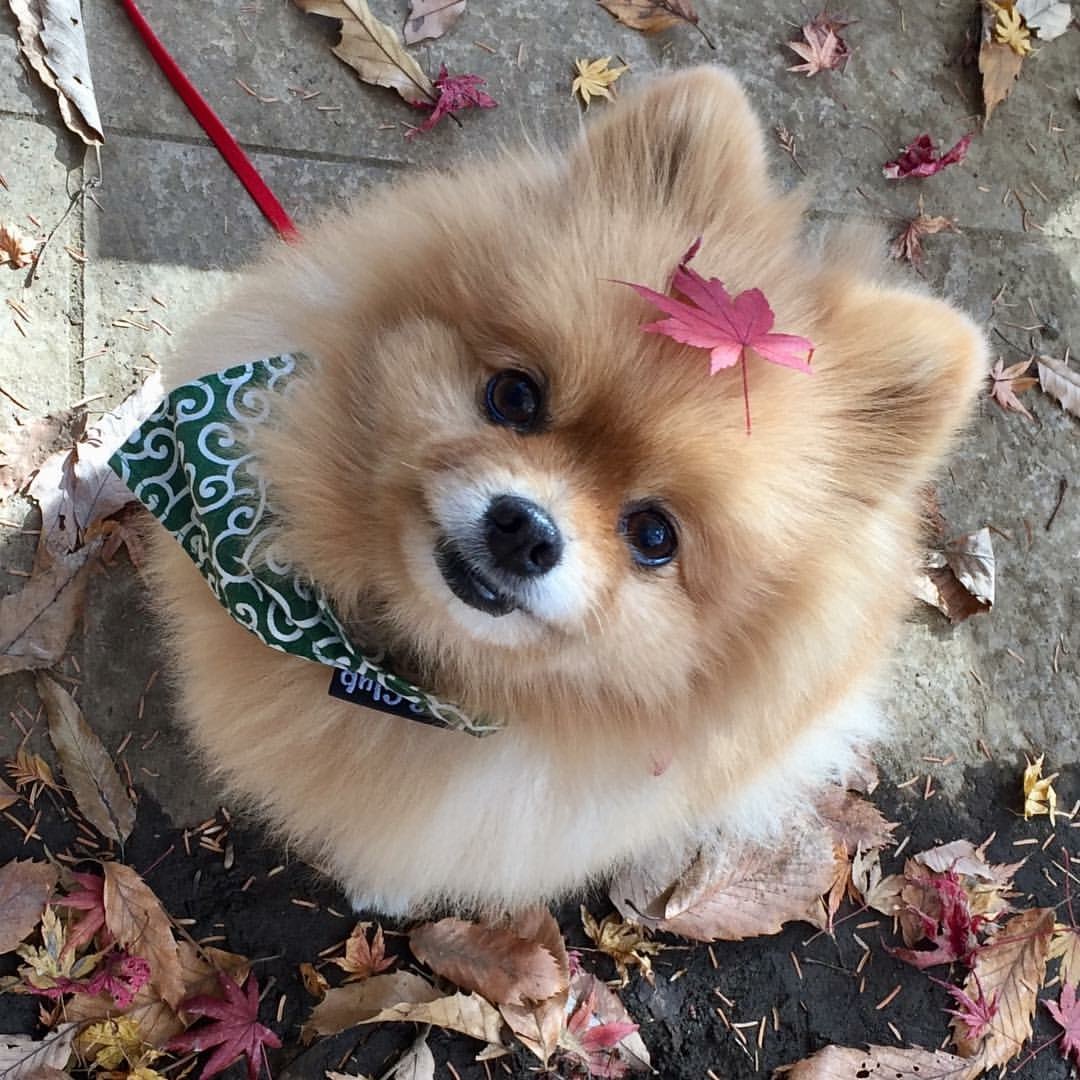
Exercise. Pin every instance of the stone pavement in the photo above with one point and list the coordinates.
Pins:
(170, 223)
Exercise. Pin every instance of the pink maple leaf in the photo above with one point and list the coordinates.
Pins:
(1066, 1011)
(89, 897)
(920, 158)
(121, 976)
(954, 934)
(977, 1014)
(456, 92)
(599, 1041)
(234, 1028)
(709, 318)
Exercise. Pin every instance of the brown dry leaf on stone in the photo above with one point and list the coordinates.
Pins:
(1061, 382)
(539, 1025)
(346, 1006)
(431, 18)
(1008, 382)
(31, 770)
(871, 888)
(37, 622)
(821, 50)
(958, 579)
(497, 963)
(878, 1063)
(372, 49)
(907, 244)
(76, 489)
(99, 792)
(16, 248)
(137, 920)
(363, 959)
(999, 64)
(53, 40)
(24, 1058)
(652, 16)
(1010, 967)
(25, 888)
(624, 942)
(27, 445)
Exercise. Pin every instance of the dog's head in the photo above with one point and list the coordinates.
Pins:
(493, 468)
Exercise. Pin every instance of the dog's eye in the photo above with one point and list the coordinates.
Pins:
(513, 399)
(651, 536)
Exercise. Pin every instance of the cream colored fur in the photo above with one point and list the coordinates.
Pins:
(645, 708)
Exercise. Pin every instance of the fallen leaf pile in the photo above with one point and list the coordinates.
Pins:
(16, 248)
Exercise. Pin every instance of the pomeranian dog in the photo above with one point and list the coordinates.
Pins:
(560, 522)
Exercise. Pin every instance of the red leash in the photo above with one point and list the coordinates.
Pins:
(219, 134)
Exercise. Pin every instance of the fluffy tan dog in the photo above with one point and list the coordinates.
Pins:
(562, 522)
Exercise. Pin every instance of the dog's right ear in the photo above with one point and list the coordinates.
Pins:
(687, 142)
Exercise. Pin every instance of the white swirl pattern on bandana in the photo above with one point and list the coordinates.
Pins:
(190, 465)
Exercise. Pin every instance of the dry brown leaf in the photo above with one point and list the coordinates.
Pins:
(8, 797)
(347, 1006)
(361, 959)
(26, 446)
(25, 888)
(497, 963)
(651, 16)
(1008, 382)
(1066, 944)
(1010, 967)
(53, 40)
(89, 771)
(314, 981)
(999, 64)
(907, 244)
(76, 489)
(137, 920)
(871, 888)
(372, 49)
(624, 942)
(37, 622)
(1039, 794)
(878, 1063)
(853, 821)
(431, 18)
(538, 1026)
(964, 857)
(23, 1058)
(1060, 381)
(468, 1014)
(732, 893)
(16, 248)
(958, 579)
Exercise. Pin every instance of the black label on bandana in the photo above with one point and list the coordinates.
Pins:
(369, 692)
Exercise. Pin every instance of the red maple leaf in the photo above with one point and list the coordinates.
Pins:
(954, 935)
(89, 897)
(711, 319)
(921, 158)
(598, 1041)
(1066, 1011)
(977, 1014)
(121, 976)
(234, 1028)
(456, 92)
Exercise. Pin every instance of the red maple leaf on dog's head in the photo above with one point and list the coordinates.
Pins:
(1066, 1011)
(710, 318)
(234, 1028)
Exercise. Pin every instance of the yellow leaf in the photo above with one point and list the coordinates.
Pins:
(1066, 944)
(625, 943)
(594, 79)
(113, 1042)
(1009, 29)
(1039, 794)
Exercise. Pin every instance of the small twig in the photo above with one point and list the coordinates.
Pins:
(86, 187)
(1063, 486)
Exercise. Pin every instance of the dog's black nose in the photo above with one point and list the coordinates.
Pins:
(521, 536)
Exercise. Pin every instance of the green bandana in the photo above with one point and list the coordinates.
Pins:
(190, 466)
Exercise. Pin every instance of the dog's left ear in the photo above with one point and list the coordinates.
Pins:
(688, 142)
